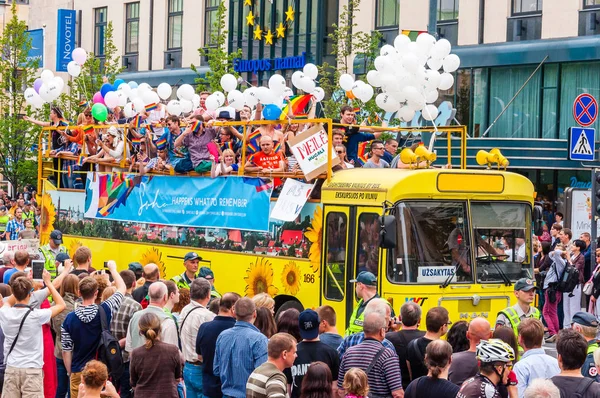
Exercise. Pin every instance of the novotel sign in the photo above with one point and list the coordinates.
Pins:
(261, 65)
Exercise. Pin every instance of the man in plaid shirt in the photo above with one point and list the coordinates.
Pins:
(14, 226)
(119, 324)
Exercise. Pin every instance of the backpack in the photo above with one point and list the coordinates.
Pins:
(414, 349)
(568, 280)
(109, 351)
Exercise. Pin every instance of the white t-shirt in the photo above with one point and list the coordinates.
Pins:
(29, 350)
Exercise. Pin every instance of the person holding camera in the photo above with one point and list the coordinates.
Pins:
(552, 295)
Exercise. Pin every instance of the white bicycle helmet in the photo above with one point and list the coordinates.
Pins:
(494, 350)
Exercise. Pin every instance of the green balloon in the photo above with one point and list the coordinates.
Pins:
(99, 112)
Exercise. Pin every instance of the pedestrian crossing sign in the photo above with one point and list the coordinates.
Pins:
(581, 144)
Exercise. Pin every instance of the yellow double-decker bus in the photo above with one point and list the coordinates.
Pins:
(453, 237)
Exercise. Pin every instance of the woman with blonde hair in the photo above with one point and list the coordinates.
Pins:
(356, 383)
(155, 367)
(226, 166)
(264, 300)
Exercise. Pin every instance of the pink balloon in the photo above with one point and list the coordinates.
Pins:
(97, 98)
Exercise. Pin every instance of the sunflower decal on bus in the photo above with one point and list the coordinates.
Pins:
(259, 278)
(290, 278)
(314, 234)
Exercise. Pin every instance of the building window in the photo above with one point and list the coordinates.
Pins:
(447, 10)
(527, 6)
(175, 24)
(387, 20)
(99, 30)
(132, 27)
(591, 3)
(210, 18)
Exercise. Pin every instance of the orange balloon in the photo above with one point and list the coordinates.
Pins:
(350, 95)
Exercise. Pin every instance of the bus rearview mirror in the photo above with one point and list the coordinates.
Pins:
(387, 234)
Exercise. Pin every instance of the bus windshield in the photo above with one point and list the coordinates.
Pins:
(434, 243)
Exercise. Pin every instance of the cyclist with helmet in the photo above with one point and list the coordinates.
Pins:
(495, 365)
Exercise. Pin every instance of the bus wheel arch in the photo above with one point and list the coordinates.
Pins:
(284, 302)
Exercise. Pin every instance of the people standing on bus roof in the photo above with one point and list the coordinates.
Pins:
(51, 249)
(366, 290)
(511, 317)
(190, 262)
(209, 275)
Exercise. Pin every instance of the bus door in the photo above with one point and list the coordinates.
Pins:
(336, 263)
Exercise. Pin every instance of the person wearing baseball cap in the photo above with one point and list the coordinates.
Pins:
(310, 350)
(51, 249)
(190, 262)
(366, 290)
(586, 325)
(209, 275)
(137, 269)
(511, 316)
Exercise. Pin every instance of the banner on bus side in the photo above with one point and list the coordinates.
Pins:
(291, 200)
(224, 202)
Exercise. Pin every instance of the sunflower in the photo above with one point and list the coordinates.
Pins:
(153, 255)
(259, 278)
(47, 218)
(75, 244)
(314, 234)
(291, 278)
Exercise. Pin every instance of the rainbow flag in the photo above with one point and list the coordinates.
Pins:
(277, 147)
(137, 122)
(195, 126)
(84, 104)
(88, 129)
(69, 170)
(63, 123)
(362, 153)
(151, 107)
(298, 104)
(80, 160)
(136, 141)
(227, 145)
(161, 142)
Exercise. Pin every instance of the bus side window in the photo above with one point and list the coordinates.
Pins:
(335, 269)
(367, 250)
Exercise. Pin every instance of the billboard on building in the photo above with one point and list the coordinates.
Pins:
(37, 46)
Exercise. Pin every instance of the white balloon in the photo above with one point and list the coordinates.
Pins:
(441, 49)
(111, 99)
(220, 98)
(435, 63)
(296, 77)
(432, 79)
(38, 102)
(79, 55)
(387, 49)
(73, 68)
(138, 105)
(277, 84)
(386, 102)
(451, 63)
(400, 43)
(144, 87)
(410, 62)
(430, 112)
(406, 114)
(186, 106)
(262, 93)
(412, 48)
(60, 82)
(211, 103)
(186, 92)
(308, 85)
(411, 93)
(196, 100)
(236, 99)
(46, 75)
(398, 95)
(44, 94)
(53, 89)
(164, 90)
(346, 82)
(128, 110)
(174, 107)
(288, 92)
(446, 81)
(311, 71)
(122, 97)
(150, 97)
(431, 96)
(373, 78)
(29, 95)
(356, 88)
(319, 94)
(228, 82)
(425, 41)
(133, 93)
(366, 93)
(383, 64)
(251, 97)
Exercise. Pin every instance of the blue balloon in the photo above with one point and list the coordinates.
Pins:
(106, 87)
(117, 83)
(271, 112)
(133, 84)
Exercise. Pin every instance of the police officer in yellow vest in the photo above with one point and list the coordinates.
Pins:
(512, 316)
(366, 290)
(209, 275)
(51, 250)
(190, 262)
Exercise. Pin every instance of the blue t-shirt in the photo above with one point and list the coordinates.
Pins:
(175, 154)
(352, 144)
(8, 274)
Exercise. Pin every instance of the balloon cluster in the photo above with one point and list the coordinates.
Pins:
(271, 97)
(408, 74)
(46, 88)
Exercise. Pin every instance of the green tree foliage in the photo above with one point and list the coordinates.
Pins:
(219, 60)
(18, 164)
(94, 73)
(346, 43)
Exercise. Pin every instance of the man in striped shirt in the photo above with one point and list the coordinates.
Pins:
(379, 363)
(268, 380)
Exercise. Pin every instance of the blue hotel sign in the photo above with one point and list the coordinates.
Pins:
(36, 53)
(269, 64)
(65, 39)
